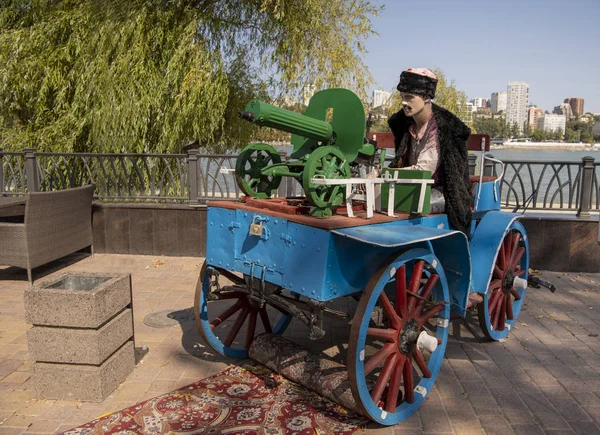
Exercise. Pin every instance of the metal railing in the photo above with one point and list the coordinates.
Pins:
(194, 178)
(548, 185)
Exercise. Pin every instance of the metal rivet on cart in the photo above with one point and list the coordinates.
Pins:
(392, 271)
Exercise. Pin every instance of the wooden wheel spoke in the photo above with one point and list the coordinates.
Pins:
(226, 314)
(502, 314)
(515, 245)
(509, 309)
(386, 334)
(497, 272)
(236, 327)
(389, 311)
(495, 284)
(394, 388)
(427, 290)
(507, 245)
(415, 283)
(401, 295)
(498, 304)
(517, 260)
(421, 363)
(493, 301)
(520, 272)
(251, 328)
(264, 317)
(426, 315)
(515, 293)
(382, 354)
(502, 257)
(384, 377)
(409, 388)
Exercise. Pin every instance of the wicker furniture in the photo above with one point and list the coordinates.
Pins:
(55, 224)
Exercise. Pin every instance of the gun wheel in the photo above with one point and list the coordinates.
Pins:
(249, 170)
(330, 163)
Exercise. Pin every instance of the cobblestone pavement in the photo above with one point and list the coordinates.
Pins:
(544, 378)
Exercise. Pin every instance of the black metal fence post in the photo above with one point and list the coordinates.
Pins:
(585, 187)
(1, 172)
(31, 170)
(488, 170)
(192, 161)
(472, 163)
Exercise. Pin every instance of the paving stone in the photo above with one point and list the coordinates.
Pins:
(527, 429)
(488, 376)
(585, 428)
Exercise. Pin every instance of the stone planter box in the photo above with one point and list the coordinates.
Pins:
(82, 339)
(81, 381)
(79, 346)
(81, 300)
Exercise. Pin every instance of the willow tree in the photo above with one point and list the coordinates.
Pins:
(155, 75)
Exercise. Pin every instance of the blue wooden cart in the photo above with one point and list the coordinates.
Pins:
(264, 267)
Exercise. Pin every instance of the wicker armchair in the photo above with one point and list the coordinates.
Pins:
(56, 224)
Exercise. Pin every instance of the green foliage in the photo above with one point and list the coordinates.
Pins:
(514, 130)
(527, 129)
(579, 131)
(154, 75)
(539, 135)
(494, 126)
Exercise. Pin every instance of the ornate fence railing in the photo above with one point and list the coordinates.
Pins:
(549, 185)
(195, 178)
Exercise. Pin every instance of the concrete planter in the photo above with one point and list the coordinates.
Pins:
(82, 340)
(82, 300)
(82, 381)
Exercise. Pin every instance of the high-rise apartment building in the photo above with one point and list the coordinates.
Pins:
(381, 97)
(498, 102)
(564, 109)
(533, 114)
(576, 105)
(479, 102)
(552, 122)
(517, 97)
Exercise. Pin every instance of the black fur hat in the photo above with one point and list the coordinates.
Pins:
(417, 84)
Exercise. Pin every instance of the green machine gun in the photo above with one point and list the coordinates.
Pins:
(328, 141)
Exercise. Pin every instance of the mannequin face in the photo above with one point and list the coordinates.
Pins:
(412, 104)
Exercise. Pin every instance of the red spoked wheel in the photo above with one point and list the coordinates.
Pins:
(504, 297)
(228, 320)
(398, 337)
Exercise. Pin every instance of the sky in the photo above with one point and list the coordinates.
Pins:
(552, 45)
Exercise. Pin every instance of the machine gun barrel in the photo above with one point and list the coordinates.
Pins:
(267, 115)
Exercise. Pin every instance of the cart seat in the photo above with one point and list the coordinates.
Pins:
(475, 178)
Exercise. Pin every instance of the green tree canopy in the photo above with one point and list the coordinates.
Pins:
(494, 126)
(154, 75)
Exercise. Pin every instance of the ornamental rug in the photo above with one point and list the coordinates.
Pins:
(243, 400)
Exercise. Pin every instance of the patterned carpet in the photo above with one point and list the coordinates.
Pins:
(244, 400)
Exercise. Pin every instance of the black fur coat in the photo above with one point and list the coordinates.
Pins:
(454, 167)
